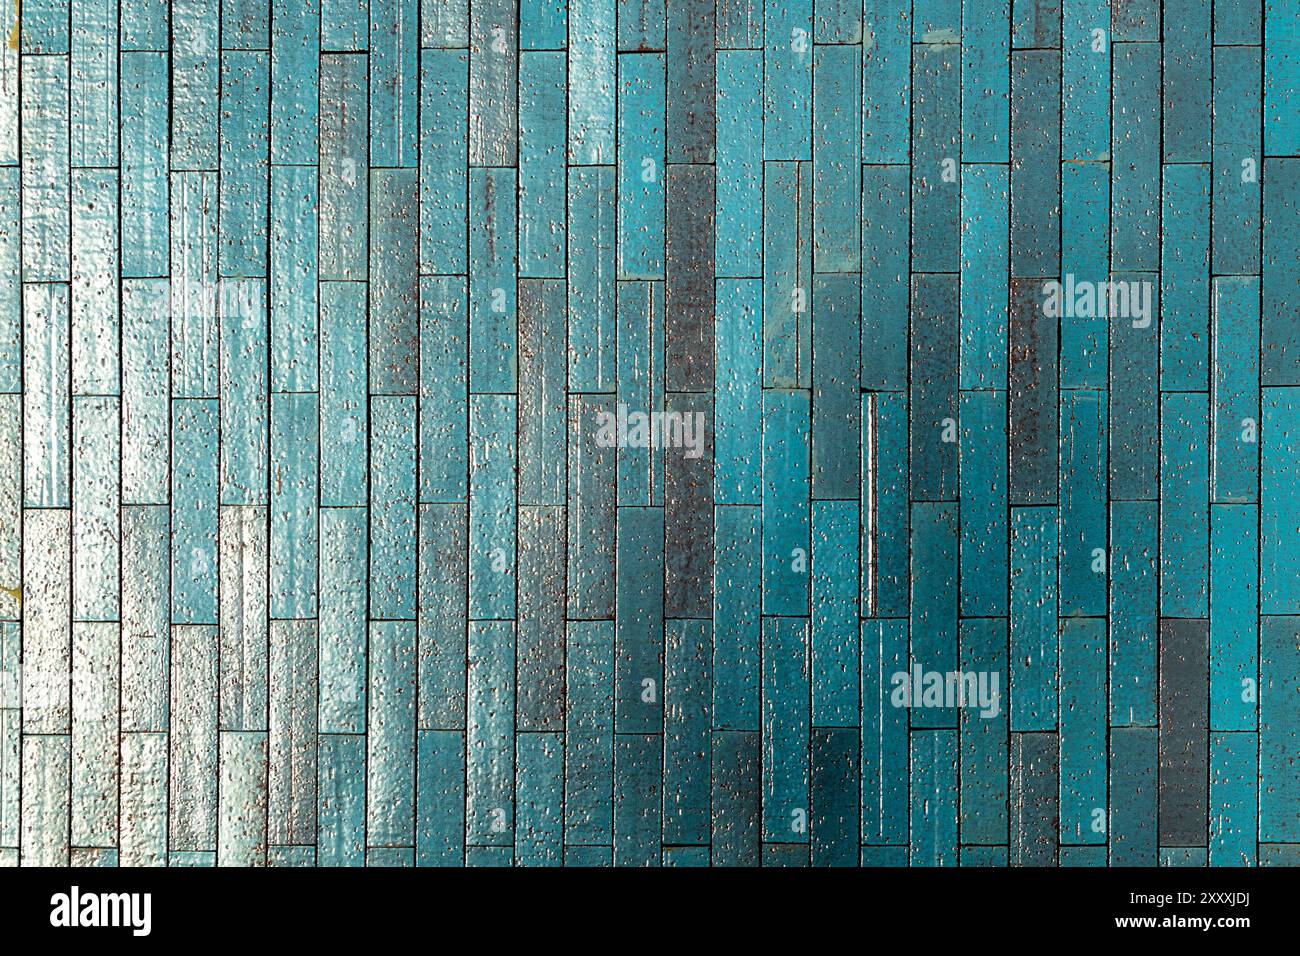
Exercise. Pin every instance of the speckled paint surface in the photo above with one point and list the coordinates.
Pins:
(640, 432)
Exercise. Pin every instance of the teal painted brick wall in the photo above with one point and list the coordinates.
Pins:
(590, 432)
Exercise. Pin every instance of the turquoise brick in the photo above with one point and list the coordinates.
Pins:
(241, 829)
(592, 81)
(1134, 401)
(195, 30)
(390, 736)
(393, 328)
(1034, 643)
(1234, 616)
(444, 137)
(1234, 423)
(1083, 503)
(440, 798)
(444, 384)
(244, 24)
(539, 788)
(1185, 522)
(341, 827)
(1237, 21)
(244, 392)
(1135, 155)
(295, 451)
(492, 491)
(193, 758)
(1236, 162)
(1131, 836)
(1187, 88)
(541, 164)
(344, 186)
(836, 401)
(1184, 285)
(1279, 356)
(638, 806)
(641, 168)
(591, 286)
(591, 525)
(493, 345)
(983, 793)
(143, 24)
(1132, 619)
(1083, 722)
(195, 289)
(887, 92)
(295, 334)
(96, 496)
(933, 625)
(194, 492)
(786, 509)
(1279, 679)
(394, 82)
(1279, 569)
(444, 24)
(688, 689)
(885, 777)
(589, 734)
(787, 79)
(836, 163)
(144, 143)
(985, 272)
(936, 162)
(986, 90)
(45, 177)
(243, 190)
(11, 288)
(738, 396)
(885, 285)
(739, 167)
(295, 75)
(342, 610)
(691, 70)
(934, 798)
(932, 399)
(835, 652)
(345, 455)
(1281, 69)
(1035, 163)
(442, 614)
(736, 616)
(292, 744)
(489, 745)
(493, 92)
(544, 26)
(785, 721)
(640, 374)
(1085, 254)
(983, 493)
(1085, 80)
(886, 573)
(736, 787)
(833, 773)
(1234, 799)
(543, 417)
(787, 276)
(46, 440)
(639, 621)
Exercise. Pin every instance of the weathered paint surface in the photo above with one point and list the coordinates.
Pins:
(333, 336)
